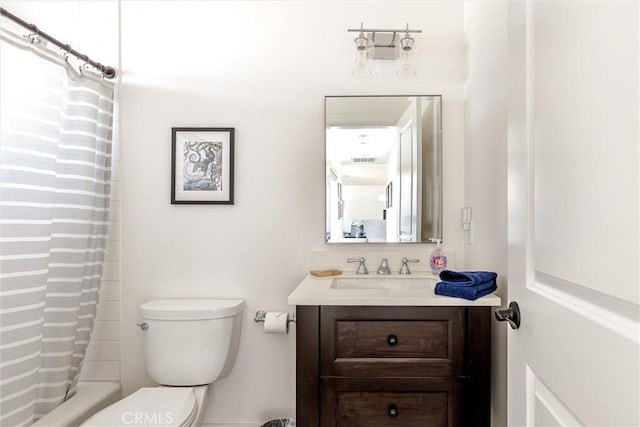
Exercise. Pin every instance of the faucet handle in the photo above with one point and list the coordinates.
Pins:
(405, 268)
(384, 267)
(361, 268)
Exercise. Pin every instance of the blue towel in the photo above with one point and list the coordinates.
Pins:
(472, 292)
(466, 278)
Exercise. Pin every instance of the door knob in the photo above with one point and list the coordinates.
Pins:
(510, 314)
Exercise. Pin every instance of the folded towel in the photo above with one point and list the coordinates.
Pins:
(467, 292)
(466, 278)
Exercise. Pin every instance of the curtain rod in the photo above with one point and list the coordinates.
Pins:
(107, 72)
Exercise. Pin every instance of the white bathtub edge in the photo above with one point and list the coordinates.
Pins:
(90, 397)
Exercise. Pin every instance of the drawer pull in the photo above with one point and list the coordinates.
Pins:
(393, 411)
(392, 340)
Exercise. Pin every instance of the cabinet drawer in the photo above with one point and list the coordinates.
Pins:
(381, 402)
(381, 409)
(392, 342)
(392, 338)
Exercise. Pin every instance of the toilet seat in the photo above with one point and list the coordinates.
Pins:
(150, 406)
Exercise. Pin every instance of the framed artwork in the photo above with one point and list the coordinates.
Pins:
(340, 201)
(389, 195)
(202, 165)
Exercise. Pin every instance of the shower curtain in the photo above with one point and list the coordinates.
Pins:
(55, 170)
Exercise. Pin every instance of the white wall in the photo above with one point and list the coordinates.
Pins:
(361, 202)
(263, 68)
(91, 28)
(485, 166)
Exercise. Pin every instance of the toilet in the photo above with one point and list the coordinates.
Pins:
(188, 344)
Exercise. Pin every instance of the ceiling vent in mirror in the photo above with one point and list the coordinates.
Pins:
(363, 160)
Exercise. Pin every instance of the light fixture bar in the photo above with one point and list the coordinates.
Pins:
(369, 30)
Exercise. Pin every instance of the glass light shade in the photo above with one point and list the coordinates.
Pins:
(361, 62)
(406, 61)
(406, 64)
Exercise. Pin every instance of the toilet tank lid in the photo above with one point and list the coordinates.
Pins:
(190, 309)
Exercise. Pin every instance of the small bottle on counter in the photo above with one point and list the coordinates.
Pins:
(438, 259)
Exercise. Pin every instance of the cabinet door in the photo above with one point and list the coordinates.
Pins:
(433, 402)
(392, 341)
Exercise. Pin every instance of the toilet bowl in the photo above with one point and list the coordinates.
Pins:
(154, 406)
(188, 344)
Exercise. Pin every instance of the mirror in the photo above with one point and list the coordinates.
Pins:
(383, 169)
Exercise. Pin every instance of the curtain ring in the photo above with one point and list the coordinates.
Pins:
(33, 37)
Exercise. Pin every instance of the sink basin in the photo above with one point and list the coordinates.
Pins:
(393, 283)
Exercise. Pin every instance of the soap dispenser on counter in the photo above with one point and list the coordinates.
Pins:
(438, 260)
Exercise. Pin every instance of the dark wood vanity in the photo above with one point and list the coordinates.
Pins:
(363, 366)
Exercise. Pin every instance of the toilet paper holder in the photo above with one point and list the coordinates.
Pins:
(261, 315)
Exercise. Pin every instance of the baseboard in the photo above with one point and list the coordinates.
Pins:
(256, 424)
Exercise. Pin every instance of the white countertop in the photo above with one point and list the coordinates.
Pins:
(318, 291)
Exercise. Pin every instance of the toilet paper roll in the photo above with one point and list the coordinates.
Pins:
(276, 322)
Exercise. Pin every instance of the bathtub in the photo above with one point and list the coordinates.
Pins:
(90, 397)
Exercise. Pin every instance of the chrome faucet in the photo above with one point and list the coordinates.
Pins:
(361, 268)
(384, 267)
(405, 268)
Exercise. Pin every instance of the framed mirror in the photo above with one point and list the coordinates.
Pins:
(383, 169)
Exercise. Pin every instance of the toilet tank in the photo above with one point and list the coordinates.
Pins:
(190, 342)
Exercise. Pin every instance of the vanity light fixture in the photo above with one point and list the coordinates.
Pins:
(385, 44)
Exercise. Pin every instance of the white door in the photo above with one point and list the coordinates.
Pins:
(409, 152)
(573, 213)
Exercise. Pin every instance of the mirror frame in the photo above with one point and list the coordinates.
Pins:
(439, 164)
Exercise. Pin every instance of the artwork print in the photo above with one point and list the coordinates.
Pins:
(202, 165)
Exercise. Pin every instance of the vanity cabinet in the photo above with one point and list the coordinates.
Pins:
(362, 366)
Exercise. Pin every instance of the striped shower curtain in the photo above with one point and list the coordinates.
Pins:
(55, 169)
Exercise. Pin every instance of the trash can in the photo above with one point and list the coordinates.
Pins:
(280, 422)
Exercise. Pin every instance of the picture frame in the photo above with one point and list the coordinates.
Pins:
(202, 165)
(389, 195)
(340, 201)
